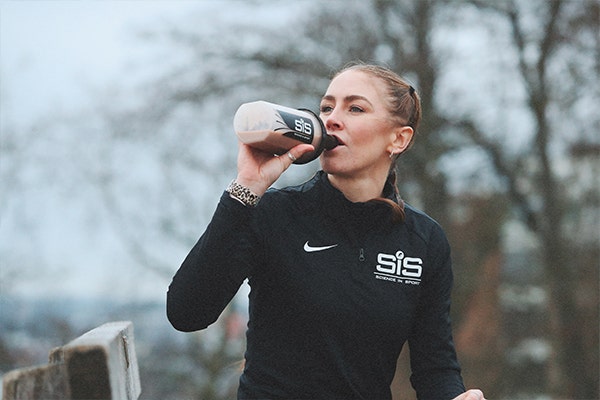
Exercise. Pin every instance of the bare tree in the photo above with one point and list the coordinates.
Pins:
(195, 151)
(556, 47)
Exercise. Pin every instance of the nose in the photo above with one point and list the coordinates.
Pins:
(333, 122)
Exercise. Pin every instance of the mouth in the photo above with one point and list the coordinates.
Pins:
(330, 142)
(340, 141)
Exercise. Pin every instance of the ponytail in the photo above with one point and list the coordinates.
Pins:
(398, 214)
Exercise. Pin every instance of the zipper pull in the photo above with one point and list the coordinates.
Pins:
(361, 254)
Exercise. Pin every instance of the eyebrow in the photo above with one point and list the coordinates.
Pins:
(347, 99)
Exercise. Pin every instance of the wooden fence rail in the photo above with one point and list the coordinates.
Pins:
(100, 364)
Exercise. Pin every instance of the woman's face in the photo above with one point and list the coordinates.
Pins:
(355, 112)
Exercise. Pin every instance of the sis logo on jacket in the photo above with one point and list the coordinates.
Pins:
(399, 268)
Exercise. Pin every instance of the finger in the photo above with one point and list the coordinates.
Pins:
(287, 160)
(298, 151)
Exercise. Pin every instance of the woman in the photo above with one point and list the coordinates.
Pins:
(341, 272)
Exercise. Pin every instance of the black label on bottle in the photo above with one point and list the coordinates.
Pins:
(300, 128)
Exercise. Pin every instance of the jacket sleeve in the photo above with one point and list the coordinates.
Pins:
(215, 268)
(435, 368)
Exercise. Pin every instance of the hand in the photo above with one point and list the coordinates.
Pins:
(258, 170)
(472, 394)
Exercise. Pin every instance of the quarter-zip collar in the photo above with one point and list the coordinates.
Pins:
(332, 203)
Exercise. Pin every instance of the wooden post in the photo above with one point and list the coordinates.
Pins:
(101, 364)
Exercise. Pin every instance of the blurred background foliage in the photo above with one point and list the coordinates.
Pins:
(506, 159)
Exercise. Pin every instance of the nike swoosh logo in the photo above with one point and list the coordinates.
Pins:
(310, 249)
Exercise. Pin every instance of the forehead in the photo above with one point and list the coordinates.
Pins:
(356, 83)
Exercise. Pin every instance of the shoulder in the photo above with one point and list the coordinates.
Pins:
(296, 194)
(424, 226)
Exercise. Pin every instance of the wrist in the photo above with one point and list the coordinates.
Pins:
(254, 185)
(242, 193)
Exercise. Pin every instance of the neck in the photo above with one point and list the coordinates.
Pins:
(358, 189)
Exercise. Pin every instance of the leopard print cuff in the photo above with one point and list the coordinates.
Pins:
(243, 194)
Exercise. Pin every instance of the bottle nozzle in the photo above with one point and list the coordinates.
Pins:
(329, 142)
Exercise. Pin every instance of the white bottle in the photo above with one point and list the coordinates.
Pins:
(276, 129)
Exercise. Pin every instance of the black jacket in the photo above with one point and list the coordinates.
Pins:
(336, 290)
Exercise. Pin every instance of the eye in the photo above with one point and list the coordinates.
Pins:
(325, 108)
(356, 109)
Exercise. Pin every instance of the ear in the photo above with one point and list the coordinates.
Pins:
(401, 138)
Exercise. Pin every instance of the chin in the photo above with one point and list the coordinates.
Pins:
(334, 164)
(332, 169)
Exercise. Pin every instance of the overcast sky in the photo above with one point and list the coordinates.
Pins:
(53, 55)
(52, 52)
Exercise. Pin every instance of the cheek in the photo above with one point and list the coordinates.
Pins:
(369, 144)
(366, 133)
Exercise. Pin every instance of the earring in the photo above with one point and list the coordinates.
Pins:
(392, 153)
